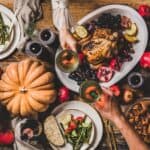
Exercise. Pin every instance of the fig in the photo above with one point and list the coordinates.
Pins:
(105, 74)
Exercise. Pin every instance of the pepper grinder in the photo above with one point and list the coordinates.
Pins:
(49, 38)
(36, 49)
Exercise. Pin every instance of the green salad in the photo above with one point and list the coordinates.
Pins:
(77, 130)
(4, 31)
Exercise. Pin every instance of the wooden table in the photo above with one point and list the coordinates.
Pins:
(78, 9)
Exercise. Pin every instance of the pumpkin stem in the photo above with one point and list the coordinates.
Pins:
(23, 90)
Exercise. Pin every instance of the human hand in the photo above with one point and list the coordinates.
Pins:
(67, 41)
(108, 107)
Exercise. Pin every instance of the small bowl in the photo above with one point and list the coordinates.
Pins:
(67, 61)
(94, 92)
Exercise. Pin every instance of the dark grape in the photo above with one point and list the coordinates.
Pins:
(84, 72)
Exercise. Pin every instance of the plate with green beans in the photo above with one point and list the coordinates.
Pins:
(9, 32)
(6, 36)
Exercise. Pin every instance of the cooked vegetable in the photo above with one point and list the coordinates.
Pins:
(81, 31)
(138, 116)
(78, 131)
(4, 33)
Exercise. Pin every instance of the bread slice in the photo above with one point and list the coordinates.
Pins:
(53, 132)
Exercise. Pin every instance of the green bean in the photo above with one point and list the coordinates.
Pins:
(4, 35)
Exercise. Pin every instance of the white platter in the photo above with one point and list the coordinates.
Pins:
(15, 36)
(139, 47)
(80, 108)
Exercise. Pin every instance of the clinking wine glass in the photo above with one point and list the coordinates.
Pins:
(67, 61)
(90, 91)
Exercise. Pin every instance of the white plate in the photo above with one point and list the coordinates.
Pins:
(7, 22)
(16, 32)
(77, 113)
(91, 113)
(139, 47)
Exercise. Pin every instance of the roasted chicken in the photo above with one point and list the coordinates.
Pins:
(100, 45)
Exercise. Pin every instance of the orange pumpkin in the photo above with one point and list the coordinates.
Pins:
(26, 88)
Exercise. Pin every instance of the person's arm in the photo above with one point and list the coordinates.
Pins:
(132, 138)
(63, 22)
(109, 109)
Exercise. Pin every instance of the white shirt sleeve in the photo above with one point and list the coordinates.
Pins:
(61, 15)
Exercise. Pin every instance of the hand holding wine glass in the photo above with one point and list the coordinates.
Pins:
(109, 109)
(67, 41)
